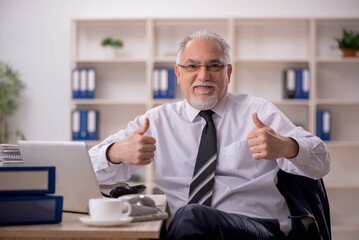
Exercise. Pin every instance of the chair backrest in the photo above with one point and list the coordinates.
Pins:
(306, 197)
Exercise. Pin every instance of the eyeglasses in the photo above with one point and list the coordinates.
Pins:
(213, 67)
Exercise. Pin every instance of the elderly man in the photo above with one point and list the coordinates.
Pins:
(216, 154)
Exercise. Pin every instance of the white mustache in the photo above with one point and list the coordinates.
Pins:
(205, 84)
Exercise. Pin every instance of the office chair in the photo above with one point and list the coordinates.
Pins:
(308, 205)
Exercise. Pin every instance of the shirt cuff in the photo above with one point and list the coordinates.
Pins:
(105, 163)
(303, 156)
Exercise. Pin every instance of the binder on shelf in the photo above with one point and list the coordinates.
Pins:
(83, 83)
(323, 124)
(302, 83)
(91, 83)
(305, 83)
(296, 83)
(19, 210)
(76, 83)
(288, 84)
(164, 83)
(92, 125)
(156, 84)
(27, 180)
(85, 124)
(75, 125)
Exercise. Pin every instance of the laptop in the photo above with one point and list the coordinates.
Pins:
(75, 178)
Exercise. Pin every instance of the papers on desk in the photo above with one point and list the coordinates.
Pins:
(10, 154)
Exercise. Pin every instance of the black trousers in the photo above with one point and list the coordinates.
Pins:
(200, 222)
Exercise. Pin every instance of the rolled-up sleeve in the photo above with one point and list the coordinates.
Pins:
(106, 171)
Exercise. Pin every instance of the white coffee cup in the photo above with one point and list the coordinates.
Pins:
(108, 209)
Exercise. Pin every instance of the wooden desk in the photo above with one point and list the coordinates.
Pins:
(72, 228)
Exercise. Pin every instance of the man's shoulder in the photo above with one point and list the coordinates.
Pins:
(245, 99)
(167, 108)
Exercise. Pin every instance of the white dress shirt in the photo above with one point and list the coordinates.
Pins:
(242, 185)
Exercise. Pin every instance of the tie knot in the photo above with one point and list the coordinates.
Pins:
(207, 115)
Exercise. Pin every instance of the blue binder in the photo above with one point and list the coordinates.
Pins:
(323, 124)
(26, 180)
(85, 125)
(30, 210)
(91, 83)
(76, 83)
(302, 83)
(171, 92)
(164, 85)
(83, 82)
(92, 125)
(75, 125)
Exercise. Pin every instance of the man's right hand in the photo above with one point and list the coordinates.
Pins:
(136, 149)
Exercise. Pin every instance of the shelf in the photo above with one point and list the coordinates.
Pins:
(112, 60)
(105, 102)
(269, 60)
(293, 102)
(338, 60)
(163, 101)
(166, 59)
(337, 227)
(341, 144)
(337, 102)
(333, 186)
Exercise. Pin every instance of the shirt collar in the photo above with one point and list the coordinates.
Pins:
(193, 112)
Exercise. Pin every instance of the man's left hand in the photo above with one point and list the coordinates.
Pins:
(265, 143)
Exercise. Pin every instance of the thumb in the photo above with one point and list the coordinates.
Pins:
(144, 127)
(257, 122)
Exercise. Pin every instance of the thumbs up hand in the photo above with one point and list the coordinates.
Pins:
(265, 143)
(136, 149)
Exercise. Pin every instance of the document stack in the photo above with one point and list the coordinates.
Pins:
(10, 154)
(24, 195)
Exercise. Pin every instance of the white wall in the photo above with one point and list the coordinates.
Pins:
(34, 38)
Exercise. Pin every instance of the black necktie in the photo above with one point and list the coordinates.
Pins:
(201, 188)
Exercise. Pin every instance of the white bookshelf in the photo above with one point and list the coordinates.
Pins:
(261, 50)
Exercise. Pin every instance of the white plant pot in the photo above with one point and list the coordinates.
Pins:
(112, 52)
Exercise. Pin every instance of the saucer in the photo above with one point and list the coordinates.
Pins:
(104, 223)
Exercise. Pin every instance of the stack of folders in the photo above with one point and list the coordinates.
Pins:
(164, 83)
(323, 124)
(85, 124)
(296, 83)
(83, 83)
(23, 195)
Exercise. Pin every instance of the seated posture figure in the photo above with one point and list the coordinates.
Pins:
(216, 154)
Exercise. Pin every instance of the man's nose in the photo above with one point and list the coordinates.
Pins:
(203, 72)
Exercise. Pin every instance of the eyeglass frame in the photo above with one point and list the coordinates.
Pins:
(204, 65)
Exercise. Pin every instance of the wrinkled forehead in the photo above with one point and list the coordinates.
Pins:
(202, 51)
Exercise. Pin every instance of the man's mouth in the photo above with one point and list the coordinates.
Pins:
(201, 89)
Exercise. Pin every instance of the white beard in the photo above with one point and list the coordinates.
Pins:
(204, 102)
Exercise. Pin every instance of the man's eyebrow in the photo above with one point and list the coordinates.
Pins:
(214, 60)
(192, 61)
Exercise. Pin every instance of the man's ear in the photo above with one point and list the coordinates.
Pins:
(178, 73)
(229, 73)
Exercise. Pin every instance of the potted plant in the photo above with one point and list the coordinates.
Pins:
(112, 46)
(348, 43)
(10, 88)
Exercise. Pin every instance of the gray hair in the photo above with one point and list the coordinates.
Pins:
(205, 34)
